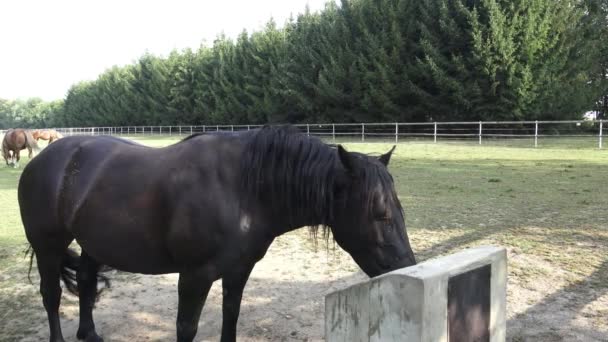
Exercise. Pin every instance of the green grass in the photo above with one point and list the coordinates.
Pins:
(548, 204)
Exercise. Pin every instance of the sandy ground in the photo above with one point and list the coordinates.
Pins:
(284, 301)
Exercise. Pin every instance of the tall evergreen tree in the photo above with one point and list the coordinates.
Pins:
(367, 60)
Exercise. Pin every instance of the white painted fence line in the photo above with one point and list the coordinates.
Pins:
(482, 130)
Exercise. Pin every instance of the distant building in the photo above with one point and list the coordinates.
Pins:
(591, 115)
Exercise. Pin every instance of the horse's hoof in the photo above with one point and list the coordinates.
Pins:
(93, 338)
(90, 337)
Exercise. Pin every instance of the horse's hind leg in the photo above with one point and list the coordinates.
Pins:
(87, 292)
(49, 267)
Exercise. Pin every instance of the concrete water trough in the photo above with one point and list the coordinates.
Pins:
(456, 298)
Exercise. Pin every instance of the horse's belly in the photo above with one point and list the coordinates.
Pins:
(123, 253)
(133, 242)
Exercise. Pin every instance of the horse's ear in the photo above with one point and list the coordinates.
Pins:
(385, 158)
(346, 158)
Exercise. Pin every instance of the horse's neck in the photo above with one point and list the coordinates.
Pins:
(291, 223)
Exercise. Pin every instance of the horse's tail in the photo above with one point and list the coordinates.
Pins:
(69, 266)
(31, 142)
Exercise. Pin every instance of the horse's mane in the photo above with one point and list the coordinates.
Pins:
(293, 173)
(191, 136)
(198, 134)
(297, 175)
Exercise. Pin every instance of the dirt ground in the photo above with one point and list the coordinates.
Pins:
(284, 301)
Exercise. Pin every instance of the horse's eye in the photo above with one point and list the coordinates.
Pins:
(383, 218)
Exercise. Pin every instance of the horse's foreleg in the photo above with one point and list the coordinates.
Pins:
(87, 292)
(193, 288)
(233, 285)
(16, 158)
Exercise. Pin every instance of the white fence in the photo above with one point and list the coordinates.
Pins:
(575, 133)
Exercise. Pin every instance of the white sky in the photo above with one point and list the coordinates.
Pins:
(46, 46)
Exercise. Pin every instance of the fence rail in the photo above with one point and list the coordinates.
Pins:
(530, 133)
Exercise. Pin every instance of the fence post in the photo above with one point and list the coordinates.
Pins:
(170, 130)
(232, 128)
(333, 132)
(396, 132)
(536, 133)
(248, 127)
(435, 133)
(362, 132)
(480, 132)
(601, 129)
(308, 130)
(191, 130)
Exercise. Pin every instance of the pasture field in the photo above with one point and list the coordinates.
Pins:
(548, 206)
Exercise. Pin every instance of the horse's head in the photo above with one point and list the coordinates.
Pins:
(368, 218)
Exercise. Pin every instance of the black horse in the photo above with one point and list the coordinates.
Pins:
(207, 207)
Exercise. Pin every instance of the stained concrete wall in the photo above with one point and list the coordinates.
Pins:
(410, 304)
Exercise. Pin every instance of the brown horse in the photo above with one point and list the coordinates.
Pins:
(46, 134)
(14, 141)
